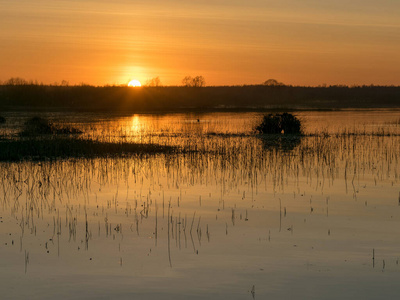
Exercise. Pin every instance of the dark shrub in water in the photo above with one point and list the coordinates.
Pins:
(279, 123)
(2, 120)
(38, 126)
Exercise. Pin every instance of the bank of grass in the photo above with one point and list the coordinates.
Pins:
(41, 139)
(58, 147)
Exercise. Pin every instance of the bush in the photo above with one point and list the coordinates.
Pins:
(279, 124)
(2, 120)
(38, 126)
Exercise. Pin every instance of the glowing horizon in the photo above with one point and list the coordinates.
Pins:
(227, 42)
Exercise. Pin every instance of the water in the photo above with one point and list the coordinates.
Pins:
(237, 217)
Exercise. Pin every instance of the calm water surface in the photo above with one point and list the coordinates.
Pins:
(241, 217)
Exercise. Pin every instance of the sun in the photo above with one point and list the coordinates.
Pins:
(134, 83)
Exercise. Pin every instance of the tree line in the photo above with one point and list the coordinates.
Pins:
(187, 81)
(206, 98)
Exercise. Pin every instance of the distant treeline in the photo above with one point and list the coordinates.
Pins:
(148, 99)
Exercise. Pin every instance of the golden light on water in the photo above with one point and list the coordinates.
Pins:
(135, 127)
(134, 83)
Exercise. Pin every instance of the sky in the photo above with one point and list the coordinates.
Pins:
(229, 42)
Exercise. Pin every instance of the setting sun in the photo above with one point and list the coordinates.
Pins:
(134, 83)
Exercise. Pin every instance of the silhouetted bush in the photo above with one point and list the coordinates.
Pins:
(2, 120)
(279, 124)
(39, 126)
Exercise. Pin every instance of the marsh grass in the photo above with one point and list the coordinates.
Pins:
(395, 122)
(280, 142)
(71, 147)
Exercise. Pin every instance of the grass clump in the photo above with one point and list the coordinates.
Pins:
(39, 126)
(284, 123)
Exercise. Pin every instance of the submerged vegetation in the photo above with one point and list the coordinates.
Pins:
(54, 137)
(395, 122)
(281, 142)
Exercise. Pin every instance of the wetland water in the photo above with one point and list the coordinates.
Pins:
(236, 217)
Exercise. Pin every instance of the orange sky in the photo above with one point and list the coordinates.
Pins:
(307, 42)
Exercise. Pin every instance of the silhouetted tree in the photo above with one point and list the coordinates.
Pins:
(197, 81)
(273, 82)
(16, 81)
(153, 82)
(187, 81)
